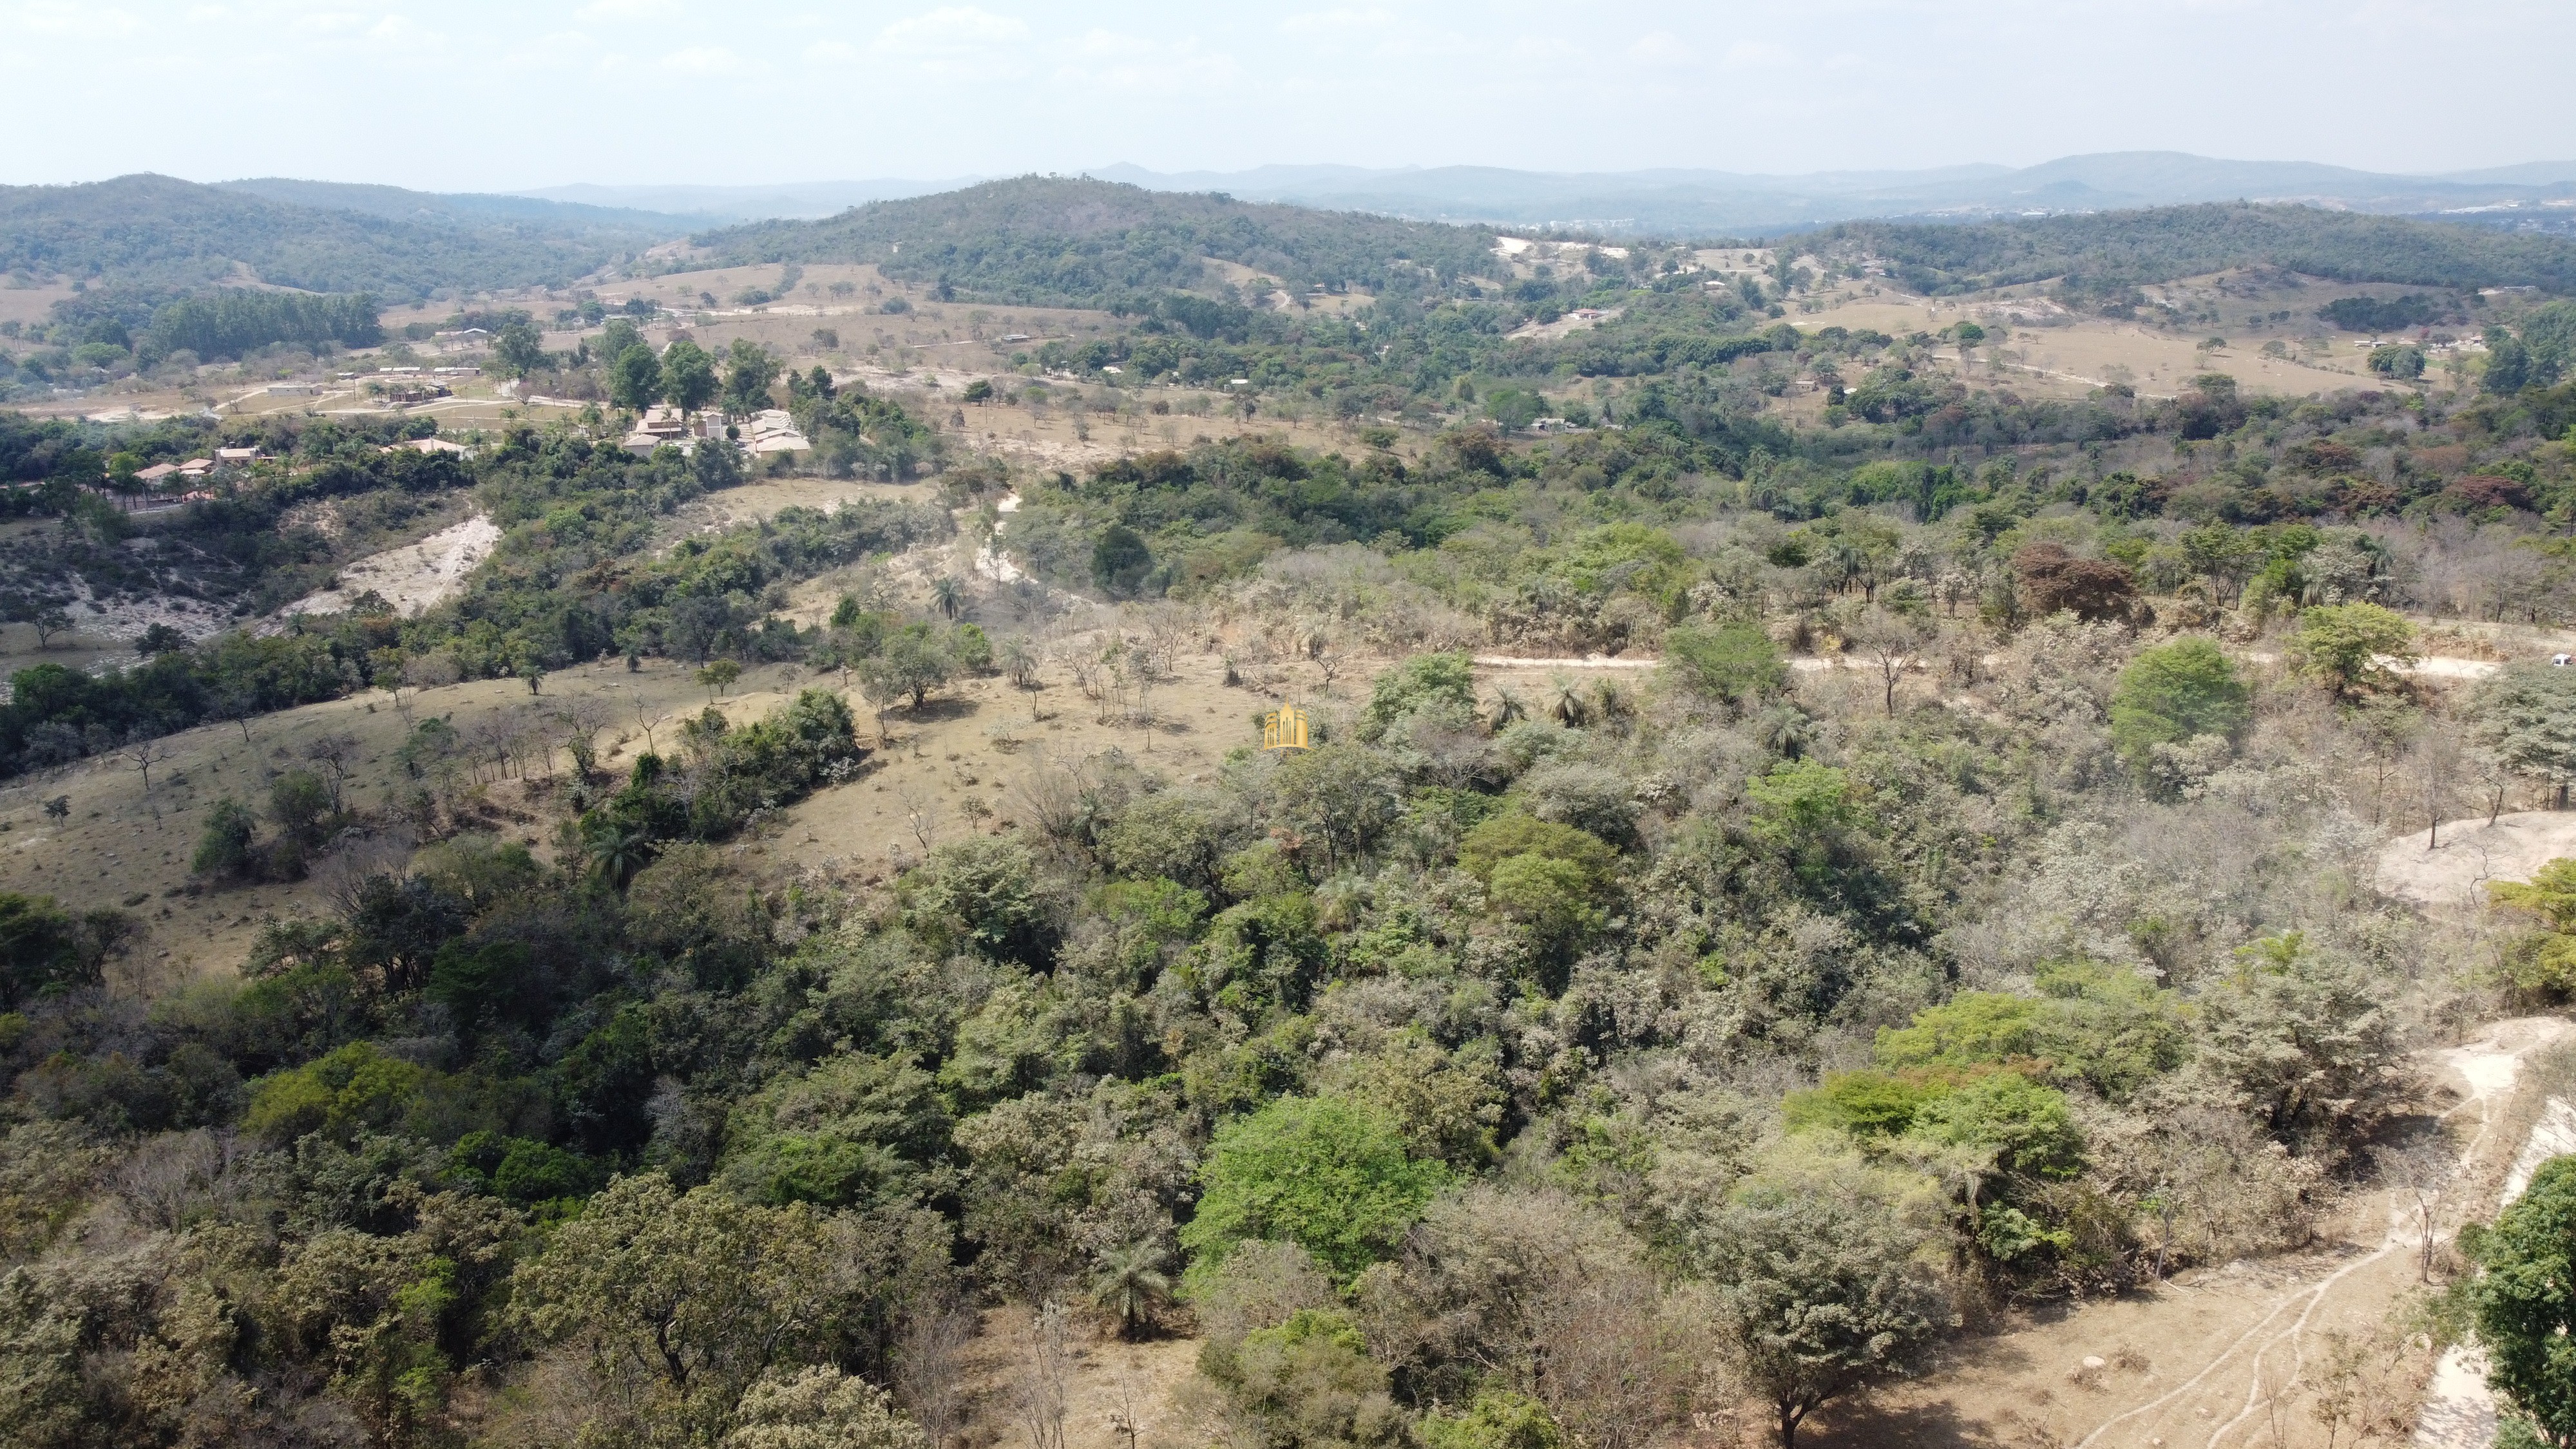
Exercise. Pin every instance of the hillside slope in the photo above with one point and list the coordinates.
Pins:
(158, 231)
(1077, 241)
(2133, 248)
(470, 209)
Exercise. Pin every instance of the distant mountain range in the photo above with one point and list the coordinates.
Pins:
(803, 200)
(2541, 194)
(1704, 203)
(157, 236)
(166, 236)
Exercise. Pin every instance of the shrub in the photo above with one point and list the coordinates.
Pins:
(1330, 1175)
(2173, 693)
(1733, 663)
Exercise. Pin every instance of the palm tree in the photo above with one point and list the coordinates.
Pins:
(1566, 702)
(948, 594)
(618, 851)
(1505, 708)
(1131, 1284)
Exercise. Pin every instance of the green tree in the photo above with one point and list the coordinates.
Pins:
(2307, 1038)
(2508, 364)
(688, 376)
(1499, 1419)
(2522, 1306)
(1327, 1174)
(1306, 1383)
(2348, 646)
(223, 849)
(40, 949)
(985, 891)
(2173, 693)
(2523, 717)
(1341, 796)
(1423, 679)
(676, 1304)
(719, 675)
(518, 348)
(2402, 361)
(1120, 561)
(911, 665)
(2546, 960)
(1824, 1285)
(635, 378)
(749, 372)
(2224, 557)
(300, 803)
(821, 1408)
(1130, 1285)
(1735, 663)
(1554, 879)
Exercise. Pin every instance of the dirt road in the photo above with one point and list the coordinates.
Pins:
(2224, 1356)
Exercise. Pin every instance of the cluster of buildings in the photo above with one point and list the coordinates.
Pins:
(161, 475)
(770, 430)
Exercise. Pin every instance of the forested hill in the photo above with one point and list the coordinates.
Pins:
(469, 209)
(160, 232)
(2115, 249)
(1077, 241)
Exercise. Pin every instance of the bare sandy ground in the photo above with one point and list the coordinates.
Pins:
(2224, 1355)
(413, 577)
(2471, 853)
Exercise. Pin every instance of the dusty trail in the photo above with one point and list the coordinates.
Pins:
(2233, 1381)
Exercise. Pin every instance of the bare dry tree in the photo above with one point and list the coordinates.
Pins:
(1052, 797)
(920, 815)
(582, 716)
(1166, 627)
(1326, 650)
(1892, 643)
(361, 856)
(2436, 772)
(1038, 1388)
(929, 1364)
(143, 752)
(647, 719)
(337, 754)
(2421, 1171)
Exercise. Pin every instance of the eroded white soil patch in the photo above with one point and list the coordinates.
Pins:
(413, 577)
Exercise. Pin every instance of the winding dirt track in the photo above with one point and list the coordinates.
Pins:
(2267, 1358)
(2222, 1357)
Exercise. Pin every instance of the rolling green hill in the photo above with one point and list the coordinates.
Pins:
(159, 232)
(1077, 241)
(469, 209)
(2115, 249)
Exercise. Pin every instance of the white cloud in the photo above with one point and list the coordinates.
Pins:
(704, 60)
(1662, 48)
(1757, 55)
(832, 52)
(628, 10)
(951, 30)
(1129, 62)
(74, 22)
(1339, 21)
(957, 43)
(402, 30)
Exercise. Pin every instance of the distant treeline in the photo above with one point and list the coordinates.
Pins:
(2114, 250)
(2388, 314)
(157, 231)
(1053, 241)
(230, 323)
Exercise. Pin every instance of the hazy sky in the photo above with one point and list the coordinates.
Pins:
(485, 95)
